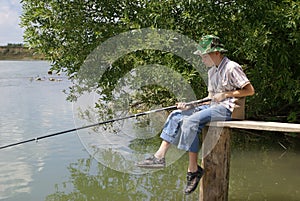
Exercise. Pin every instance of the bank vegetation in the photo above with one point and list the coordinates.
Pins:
(18, 52)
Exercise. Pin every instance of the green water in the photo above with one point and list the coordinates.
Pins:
(264, 166)
(261, 170)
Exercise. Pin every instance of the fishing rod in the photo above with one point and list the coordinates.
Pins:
(103, 122)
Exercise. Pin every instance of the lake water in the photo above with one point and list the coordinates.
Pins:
(263, 167)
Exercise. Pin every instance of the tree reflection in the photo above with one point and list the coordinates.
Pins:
(93, 181)
(259, 170)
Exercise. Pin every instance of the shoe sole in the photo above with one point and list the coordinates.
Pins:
(151, 166)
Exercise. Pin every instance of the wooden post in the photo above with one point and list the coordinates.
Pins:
(216, 163)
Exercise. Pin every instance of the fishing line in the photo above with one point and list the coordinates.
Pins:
(36, 139)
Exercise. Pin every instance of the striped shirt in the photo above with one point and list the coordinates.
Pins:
(228, 76)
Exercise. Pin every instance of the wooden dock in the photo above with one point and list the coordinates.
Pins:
(214, 185)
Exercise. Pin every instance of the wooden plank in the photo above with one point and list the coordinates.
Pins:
(216, 163)
(259, 125)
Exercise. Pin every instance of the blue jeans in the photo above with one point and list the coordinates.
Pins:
(182, 127)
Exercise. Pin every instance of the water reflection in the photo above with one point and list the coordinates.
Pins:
(12, 183)
(261, 170)
(29, 109)
(93, 181)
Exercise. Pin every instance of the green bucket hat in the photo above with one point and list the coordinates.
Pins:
(208, 44)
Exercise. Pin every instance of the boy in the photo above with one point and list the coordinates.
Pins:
(227, 88)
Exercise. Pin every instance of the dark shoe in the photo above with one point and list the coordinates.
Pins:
(193, 179)
(152, 162)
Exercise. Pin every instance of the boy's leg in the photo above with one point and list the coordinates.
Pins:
(161, 152)
(194, 173)
(158, 159)
(193, 124)
(191, 127)
(168, 135)
(193, 162)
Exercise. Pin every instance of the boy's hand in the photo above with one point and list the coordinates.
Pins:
(219, 97)
(182, 106)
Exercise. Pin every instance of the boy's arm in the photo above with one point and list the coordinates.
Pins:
(247, 90)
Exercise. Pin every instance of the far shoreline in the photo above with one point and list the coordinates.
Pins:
(17, 52)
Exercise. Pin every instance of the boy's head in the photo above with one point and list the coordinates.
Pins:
(211, 50)
(208, 44)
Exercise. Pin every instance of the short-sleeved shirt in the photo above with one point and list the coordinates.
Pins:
(228, 76)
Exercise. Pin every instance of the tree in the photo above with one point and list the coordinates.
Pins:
(263, 36)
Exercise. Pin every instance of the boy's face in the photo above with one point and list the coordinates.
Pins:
(209, 59)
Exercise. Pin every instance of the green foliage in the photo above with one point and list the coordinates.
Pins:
(263, 36)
